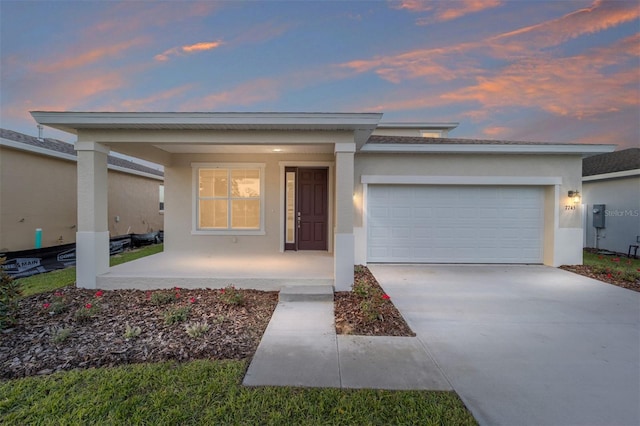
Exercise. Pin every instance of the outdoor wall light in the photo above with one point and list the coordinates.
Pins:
(575, 195)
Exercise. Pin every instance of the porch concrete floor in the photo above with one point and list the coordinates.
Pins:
(192, 270)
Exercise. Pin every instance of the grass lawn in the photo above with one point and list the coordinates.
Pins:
(209, 392)
(615, 266)
(64, 277)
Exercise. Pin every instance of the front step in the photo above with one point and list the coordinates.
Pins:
(306, 293)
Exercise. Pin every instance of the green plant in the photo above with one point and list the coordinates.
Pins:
(132, 332)
(370, 309)
(231, 295)
(162, 298)
(86, 313)
(358, 269)
(173, 316)
(59, 335)
(197, 329)
(58, 304)
(9, 296)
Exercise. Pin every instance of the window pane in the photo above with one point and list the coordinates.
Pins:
(213, 214)
(245, 214)
(245, 183)
(213, 183)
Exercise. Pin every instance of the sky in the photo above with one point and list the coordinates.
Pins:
(551, 71)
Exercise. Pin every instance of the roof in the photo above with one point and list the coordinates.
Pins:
(618, 161)
(67, 149)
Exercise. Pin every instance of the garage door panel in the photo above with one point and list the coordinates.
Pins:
(454, 224)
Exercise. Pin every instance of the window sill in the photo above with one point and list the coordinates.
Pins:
(229, 232)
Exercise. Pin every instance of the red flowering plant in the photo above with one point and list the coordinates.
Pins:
(86, 312)
(57, 305)
(231, 295)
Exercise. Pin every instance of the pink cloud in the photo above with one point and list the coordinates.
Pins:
(87, 55)
(599, 17)
(445, 10)
(191, 48)
(245, 94)
(157, 101)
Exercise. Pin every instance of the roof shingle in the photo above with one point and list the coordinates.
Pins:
(617, 161)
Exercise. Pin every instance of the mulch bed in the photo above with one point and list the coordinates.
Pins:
(36, 344)
(351, 318)
(609, 278)
(30, 348)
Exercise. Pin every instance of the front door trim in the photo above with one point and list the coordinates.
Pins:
(330, 165)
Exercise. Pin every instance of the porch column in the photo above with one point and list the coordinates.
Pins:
(343, 250)
(92, 238)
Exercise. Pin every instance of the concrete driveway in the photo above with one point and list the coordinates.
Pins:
(526, 345)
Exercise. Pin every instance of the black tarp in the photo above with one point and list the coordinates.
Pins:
(24, 263)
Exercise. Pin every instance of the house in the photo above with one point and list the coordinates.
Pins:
(612, 180)
(38, 189)
(279, 198)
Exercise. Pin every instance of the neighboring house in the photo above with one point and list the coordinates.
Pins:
(612, 179)
(38, 189)
(245, 185)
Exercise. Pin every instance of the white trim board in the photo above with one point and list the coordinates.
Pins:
(489, 148)
(460, 180)
(613, 175)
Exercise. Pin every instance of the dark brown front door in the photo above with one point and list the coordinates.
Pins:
(312, 209)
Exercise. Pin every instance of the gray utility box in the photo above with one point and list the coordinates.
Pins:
(598, 215)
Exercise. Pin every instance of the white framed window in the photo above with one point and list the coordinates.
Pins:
(228, 198)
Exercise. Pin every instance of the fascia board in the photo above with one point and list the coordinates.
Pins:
(613, 175)
(583, 149)
(76, 120)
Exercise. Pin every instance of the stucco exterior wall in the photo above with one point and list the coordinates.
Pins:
(622, 213)
(136, 201)
(42, 191)
(180, 205)
(562, 226)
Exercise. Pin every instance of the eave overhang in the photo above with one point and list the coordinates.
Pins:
(575, 149)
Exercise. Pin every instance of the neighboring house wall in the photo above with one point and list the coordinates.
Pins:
(135, 200)
(36, 192)
(179, 204)
(622, 215)
(42, 191)
(563, 228)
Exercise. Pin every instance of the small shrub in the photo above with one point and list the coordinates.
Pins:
(9, 296)
(176, 315)
(162, 298)
(58, 305)
(358, 269)
(231, 296)
(370, 309)
(131, 332)
(197, 329)
(59, 335)
(86, 313)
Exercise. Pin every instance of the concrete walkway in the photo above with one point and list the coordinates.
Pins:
(300, 348)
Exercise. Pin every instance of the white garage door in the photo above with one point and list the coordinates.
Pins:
(454, 224)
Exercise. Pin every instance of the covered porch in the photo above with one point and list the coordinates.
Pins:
(226, 188)
(269, 272)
